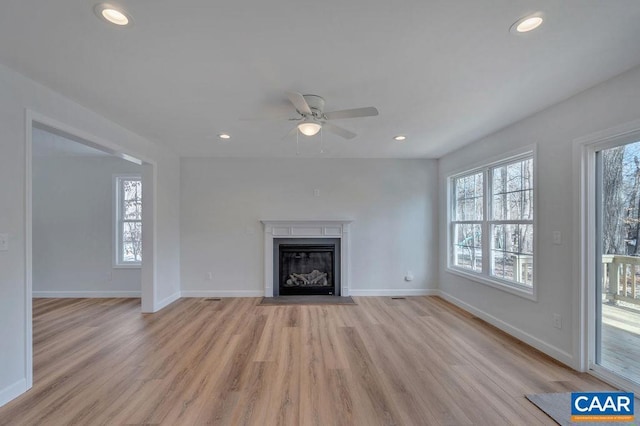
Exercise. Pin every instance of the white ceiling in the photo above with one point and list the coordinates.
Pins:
(444, 73)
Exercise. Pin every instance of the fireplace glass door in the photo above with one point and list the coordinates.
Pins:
(307, 269)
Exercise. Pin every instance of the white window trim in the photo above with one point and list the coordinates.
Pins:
(485, 278)
(117, 264)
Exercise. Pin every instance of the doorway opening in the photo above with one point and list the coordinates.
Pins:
(44, 138)
(617, 289)
(86, 220)
(607, 229)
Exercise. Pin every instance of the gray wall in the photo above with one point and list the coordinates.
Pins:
(73, 228)
(392, 204)
(553, 131)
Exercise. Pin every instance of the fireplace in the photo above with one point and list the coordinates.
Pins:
(306, 266)
(315, 234)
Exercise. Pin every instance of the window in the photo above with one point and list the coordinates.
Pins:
(491, 229)
(128, 223)
(467, 223)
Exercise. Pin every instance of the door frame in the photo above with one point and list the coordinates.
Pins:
(149, 238)
(585, 242)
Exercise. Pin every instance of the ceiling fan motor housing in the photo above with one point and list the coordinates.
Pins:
(316, 104)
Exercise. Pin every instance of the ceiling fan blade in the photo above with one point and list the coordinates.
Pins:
(299, 102)
(339, 131)
(268, 118)
(351, 113)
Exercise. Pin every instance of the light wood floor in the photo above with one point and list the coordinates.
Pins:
(418, 361)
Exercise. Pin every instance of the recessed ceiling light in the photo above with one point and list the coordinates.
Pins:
(528, 23)
(399, 138)
(113, 14)
(224, 136)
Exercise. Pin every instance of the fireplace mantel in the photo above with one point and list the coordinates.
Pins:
(306, 229)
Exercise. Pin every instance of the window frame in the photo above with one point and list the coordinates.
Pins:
(472, 222)
(118, 221)
(485, 277)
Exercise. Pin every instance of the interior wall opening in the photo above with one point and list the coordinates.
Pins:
(87, 220)
(66, 238)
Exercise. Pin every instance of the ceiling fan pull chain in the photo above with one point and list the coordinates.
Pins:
(321, 142)
(297, 142)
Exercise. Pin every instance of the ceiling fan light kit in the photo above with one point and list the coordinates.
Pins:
(309, 128)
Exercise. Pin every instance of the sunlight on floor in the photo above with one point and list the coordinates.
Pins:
(621, 341)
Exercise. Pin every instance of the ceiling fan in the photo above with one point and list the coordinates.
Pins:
(312, 117)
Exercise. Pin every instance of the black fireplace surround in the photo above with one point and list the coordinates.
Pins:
(306, 266)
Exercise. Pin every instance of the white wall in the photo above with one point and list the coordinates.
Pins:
(553, 130)
(16, 94)
(73, 230)
(392, 204)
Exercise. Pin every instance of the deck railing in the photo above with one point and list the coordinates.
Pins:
(621, 278)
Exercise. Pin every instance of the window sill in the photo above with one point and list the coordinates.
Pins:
(522, 292)
(125, 266)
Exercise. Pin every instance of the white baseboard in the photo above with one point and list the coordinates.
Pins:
(166, 301)
(85, 294)
(13, 391)
(395, 292)
(223, 293)
(552, 351)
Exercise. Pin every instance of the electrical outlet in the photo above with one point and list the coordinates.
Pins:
(4, 242)
(210, 276)
(557, 321)
(557, 238)
(316, 192)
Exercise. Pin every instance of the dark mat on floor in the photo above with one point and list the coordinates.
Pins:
(558, 407)
(307, 300)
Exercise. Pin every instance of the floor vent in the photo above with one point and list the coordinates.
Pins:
(398, 298)
(212, 299)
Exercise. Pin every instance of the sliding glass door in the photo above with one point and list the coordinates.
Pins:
(617, 292)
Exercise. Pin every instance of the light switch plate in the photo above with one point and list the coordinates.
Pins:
(4, 242)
